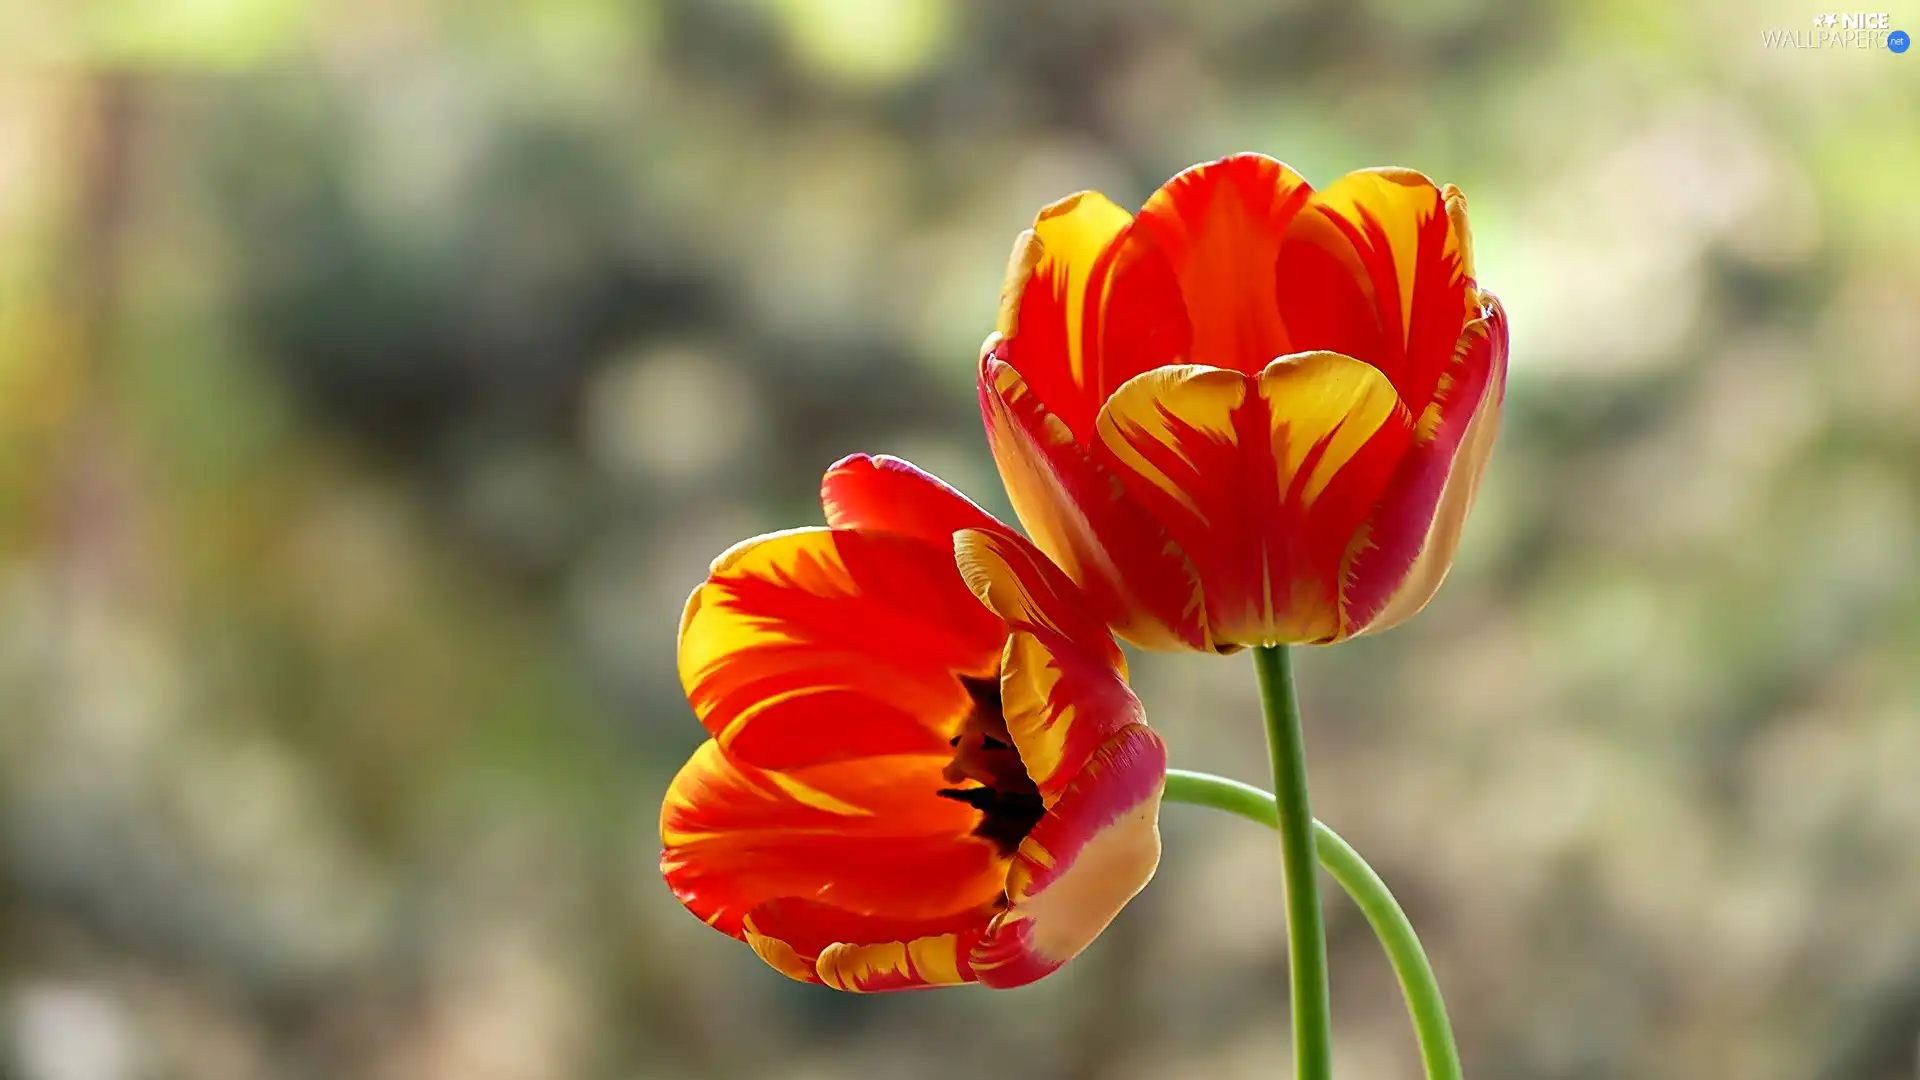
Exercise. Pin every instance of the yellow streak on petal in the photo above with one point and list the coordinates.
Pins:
(1072, 234)
(1026, 255)
(987, 562)
(711, 629)
(695, 600)
(779, 955)
(765, 545)
(684, 837)
(1324, 398)
(1146, 406)
(983, 565)
(1028, 676)
(1433, 414)
(1462, 234)
(1050, 519)
(1398, 200)
(814, 797)
(1039, 854)
(854, 968)
(707, 766)
(745, 717)
(937, 959)
(710, 762)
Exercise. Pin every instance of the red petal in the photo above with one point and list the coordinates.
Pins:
(1021, 585)
(869, 836)
(886, 494)
(819, 645)
(1219, 228)
(1135, 579)
(1416, 529)
(1088, 303)
(1264, 481)
(1377, 268)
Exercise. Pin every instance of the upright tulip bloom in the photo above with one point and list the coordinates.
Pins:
(920, 773)
(1254, 414)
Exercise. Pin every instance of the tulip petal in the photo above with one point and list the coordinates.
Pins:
(817, 645)
(886, 494)
(1377, 267)
(869, 835)
(819, 943)
(1219, 228)
(1055, 267)
(1261, 480)
(1029, 593)
(930, 960)
(1134, 578)
(1425, 507)
(1063, 688)
(1096, 848)
(1087, 304)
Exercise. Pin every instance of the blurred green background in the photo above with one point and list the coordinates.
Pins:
(377, 378)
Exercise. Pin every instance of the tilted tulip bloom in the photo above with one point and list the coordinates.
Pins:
(1255, 413)
(921, 772)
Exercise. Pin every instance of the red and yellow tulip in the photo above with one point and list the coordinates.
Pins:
(925, 764)
(1254, 414)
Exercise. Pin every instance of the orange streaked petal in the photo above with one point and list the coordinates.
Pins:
(1059, 255)
(1063, 688)
(1061, 703)
(1340, 432)
(820, 943)
(1054, 278)
(1452, 460)
(1219, 227)
(1377, 268)
(1135, 579)
(868, 835)
(933, 960)
(1022, 586)
(779, 955)
(817, 645)
(1263, 481)
(1096, 848)
(1088, 303)
(886, 494)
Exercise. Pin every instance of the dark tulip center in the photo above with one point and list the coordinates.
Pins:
(984, 753)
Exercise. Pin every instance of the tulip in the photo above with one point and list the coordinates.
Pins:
(925, 765)
(1255, 414)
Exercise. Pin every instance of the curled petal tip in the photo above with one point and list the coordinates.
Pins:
(779, 955)
(1027, 251)
(1456, 204)
(889, 494)
(1094, 851)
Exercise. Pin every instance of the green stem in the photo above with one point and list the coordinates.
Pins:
(1306, 935)
(1369, 893)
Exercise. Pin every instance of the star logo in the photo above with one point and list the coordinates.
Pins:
(1831, 20)
(1819, 20)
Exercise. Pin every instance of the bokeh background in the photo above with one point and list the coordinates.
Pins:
(376, 379)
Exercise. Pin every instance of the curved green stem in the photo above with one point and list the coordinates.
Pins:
(1306, 933)
(1369, 893)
